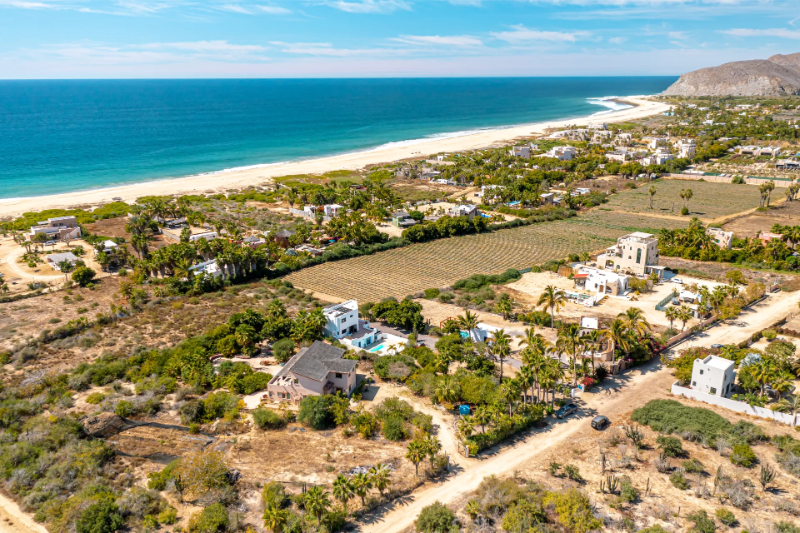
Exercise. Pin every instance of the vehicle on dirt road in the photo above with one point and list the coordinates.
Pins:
(565, 410)
(600, 422)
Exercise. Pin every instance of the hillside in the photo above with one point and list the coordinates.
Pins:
(778, 75)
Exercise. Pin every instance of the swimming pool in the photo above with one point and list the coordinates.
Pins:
(376, 348)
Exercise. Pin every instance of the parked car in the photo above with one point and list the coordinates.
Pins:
(677, 280)
(716, 346)
(565, 410)
(600, 421)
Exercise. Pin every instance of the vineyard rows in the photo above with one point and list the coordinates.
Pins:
(404, 271)
(709, 200)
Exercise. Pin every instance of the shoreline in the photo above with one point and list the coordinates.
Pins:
(220, 181)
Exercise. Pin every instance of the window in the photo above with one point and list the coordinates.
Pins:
(694, 384)
(701, 372)
(339, 375)
(713, 390)
(639, 255)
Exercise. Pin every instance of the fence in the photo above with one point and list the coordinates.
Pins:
(662, 305)
(733, 405)
(749, 180)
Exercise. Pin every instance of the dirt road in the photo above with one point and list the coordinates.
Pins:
(617, 398)
(13, 520)
(14, 270)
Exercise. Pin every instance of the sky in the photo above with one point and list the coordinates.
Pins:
(386, 38)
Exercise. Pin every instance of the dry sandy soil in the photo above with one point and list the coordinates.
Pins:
(786, 213)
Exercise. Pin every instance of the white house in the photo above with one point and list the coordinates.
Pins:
(601, 281)
(464, 210)
(56, 229)
(342, 323)
(108, 247)
(713, 375)
(562, 153)
(686, 148)
(54, 260)
(210, 267)
(520, 151)
(618, 155)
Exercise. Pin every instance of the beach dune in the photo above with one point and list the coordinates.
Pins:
(240, 178)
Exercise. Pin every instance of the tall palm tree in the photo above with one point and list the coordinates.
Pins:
(592, 340)
(482, 417)
(275, 518)
(343, 490)
(501, 348)
(381, 477)
(684, 315)
(553, 299)
(619, 335)
(416, 452)
(432, 446)
(635, 320)
(362, 482)
(468, 322)
(569, 342)
(671, 314)
(317, 502)
(504, 307)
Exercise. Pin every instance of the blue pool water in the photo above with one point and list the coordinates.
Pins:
(376, 348)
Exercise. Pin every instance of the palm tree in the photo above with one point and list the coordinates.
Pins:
(509, 392)
(672, 315)
(764, 371)
(466, 426)
(569, 342)
(482, 417)
(275, 518)
(501, 348)
(361, 484)
(619, 334)
(635, 320)
(432, 447)
(65, 267)
(316, 501)
(504, 307)
(592, 340)
(554, 299)
(652, 193)
(468, 322)
(789, 404)
(343, 490)
(381, 477)
(684, 315)
(553, 374)
(416, 452)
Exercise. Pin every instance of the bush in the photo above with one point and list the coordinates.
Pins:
(95, 398)
(83, 276)
(670, 416)
(574, 510)
(436, 518)
(628, 492)
(671, 446)
(322, 412)
(158, 480)
(726, 517)
(702, 523)
(283, 350)
(743, 455)
(430, 294)
(684, 211)
(125, 409)
(101, 517)
(678, 480)
(393, 429)
(212, 519)
(693, 466)
(268, 419)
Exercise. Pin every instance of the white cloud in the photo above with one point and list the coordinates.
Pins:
(617, 40)
(235, 8)
(369, 6)
(273, 10)
(520, 34)
(773, 32)
(447, 40)
(204, 46)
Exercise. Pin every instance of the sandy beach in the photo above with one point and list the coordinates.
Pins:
(236, 179)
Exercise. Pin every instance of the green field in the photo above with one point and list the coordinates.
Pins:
(710, 200)
(403, 271)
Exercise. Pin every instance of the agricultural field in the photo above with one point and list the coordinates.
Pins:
(404, 271)
(786, 213)
(709, 200)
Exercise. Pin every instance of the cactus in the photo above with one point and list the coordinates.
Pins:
(613, 484)
(766, 477)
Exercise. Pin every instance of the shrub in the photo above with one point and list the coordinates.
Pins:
(678, 480)
(671, 446)
(95, 398)
(83, 276)
(693, 466)
(393, 429)
(684, 211)
(212, 519)
(726, 517)
(101, 517)
(322, 412)
(574, 510)
(268, 419)
(702, 523)
(168, 516)
(283, 350)
(436, 518)
(158, 480)
(125, 409)
(743, 455)
(430, 294)
(523, 516)
(628, 492)
(670, 416)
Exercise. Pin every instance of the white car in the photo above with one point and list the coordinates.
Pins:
(677, 280)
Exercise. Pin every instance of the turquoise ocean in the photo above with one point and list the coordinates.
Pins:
(60, 136)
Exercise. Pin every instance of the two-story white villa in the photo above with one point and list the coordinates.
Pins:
(713, 375)
(57, 229)
(318, 369)
(343, 324)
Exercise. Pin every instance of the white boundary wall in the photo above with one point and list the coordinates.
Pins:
(733, 405)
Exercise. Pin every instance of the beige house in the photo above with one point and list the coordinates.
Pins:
(56, 229)
(636, 253)
(722, 238)
(318, 369)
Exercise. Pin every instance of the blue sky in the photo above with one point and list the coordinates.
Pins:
(381, 38)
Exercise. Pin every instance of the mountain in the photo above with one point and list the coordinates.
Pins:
(779, 75)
